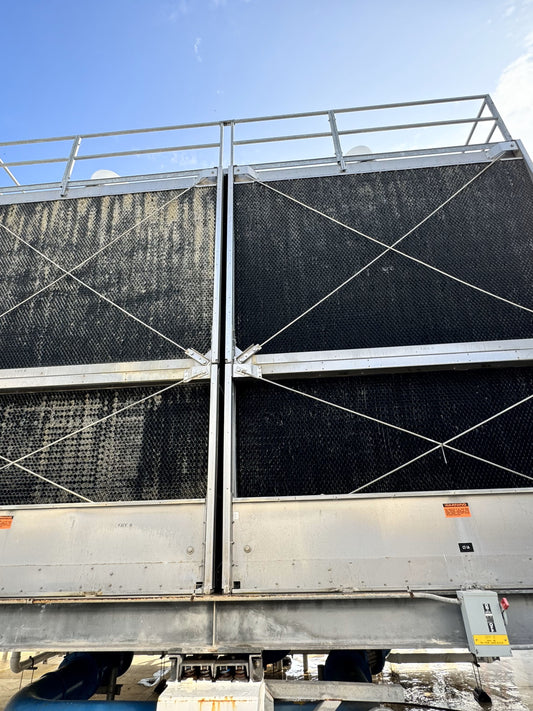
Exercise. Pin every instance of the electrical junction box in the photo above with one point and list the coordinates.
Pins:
(484, 623)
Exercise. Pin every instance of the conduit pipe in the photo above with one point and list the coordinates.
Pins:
(79, 676)
(17, 666)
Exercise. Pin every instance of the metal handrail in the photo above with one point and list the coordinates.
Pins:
(487, 114)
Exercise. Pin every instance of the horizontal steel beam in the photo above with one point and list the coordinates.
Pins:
(368, 360)
(410, 657)
(45, 192)
(375, 162)
(71, 377)
(341, 691)
(473, 148)
(200, 625)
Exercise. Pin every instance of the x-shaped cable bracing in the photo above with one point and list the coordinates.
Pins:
(393, 248)
(69, 272)
(16, 462)
(66, 273)
(438, 445)
(388, 248)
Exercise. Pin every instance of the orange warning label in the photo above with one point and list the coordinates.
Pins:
(456, 510)
(6, 521)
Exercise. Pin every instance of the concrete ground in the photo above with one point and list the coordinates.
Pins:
(509, 681)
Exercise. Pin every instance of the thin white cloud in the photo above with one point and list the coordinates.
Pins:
(197, 44)
(180, 9)
(514, 95)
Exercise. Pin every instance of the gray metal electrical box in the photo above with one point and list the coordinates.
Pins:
(484, 623)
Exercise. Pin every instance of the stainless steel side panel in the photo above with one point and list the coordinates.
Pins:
(104, 550)
(383, 543)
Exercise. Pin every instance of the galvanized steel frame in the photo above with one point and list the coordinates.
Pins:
(434, 356)
(305, 621)
(139, 373)
(223, 624)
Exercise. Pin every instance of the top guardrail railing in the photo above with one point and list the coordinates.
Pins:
(221, 141)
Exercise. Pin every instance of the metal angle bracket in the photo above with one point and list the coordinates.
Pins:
(198, 357)
(243, 367)
(246, 369)
(207, 177)
(245, 174)
(500, 148)
(243, 356)
(200, 372)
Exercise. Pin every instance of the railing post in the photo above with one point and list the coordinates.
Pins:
(336, 140)
(476, 123)
(70, 164)
(8, 172)
(498, 120)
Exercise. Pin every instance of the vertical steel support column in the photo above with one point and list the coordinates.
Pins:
(211, 493)
(70, 165)
(229, 396)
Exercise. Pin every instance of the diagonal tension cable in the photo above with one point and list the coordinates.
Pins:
(95, 254)
(345, 409)
(94, 291)
(93, 424)
(49, 481)
(439, 445)
(460, 451)
(388, 248)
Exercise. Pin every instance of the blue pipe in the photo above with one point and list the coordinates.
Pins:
(69, 687)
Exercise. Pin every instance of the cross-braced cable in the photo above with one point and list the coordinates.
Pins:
(438, 444)
(388, 248)
(16, 462)
(69, 273)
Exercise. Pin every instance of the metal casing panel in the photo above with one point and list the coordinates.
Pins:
(103, 551)
(383, 543)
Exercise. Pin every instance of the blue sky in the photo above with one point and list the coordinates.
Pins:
(79, 66)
